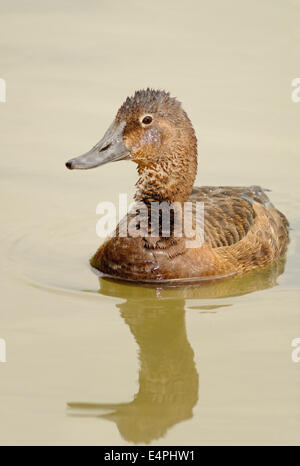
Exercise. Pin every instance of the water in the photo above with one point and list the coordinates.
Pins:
(207, 364)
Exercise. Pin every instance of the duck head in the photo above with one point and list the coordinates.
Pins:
(152, 130)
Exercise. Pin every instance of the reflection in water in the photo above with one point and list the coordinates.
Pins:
(168, 379)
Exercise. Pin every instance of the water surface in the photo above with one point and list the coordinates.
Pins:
(207, 364)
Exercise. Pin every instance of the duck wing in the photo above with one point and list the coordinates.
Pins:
(228, 211)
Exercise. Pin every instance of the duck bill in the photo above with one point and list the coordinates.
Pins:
(109, 149)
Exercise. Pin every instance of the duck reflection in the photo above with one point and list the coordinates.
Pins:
(168, 378)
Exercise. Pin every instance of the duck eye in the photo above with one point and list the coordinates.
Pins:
(147, 120)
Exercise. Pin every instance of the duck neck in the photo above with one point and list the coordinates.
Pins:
(170, 180)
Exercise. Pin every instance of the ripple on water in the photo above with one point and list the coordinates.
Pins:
(57, 256)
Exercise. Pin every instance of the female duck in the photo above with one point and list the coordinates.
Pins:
(242, 229)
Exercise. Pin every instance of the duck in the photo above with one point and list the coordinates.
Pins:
(242, 230)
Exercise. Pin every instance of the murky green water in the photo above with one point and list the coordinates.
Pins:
(207, 364)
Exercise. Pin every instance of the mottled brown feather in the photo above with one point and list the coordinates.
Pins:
(243, 230)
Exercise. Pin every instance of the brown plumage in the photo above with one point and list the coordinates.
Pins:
(243, 230)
